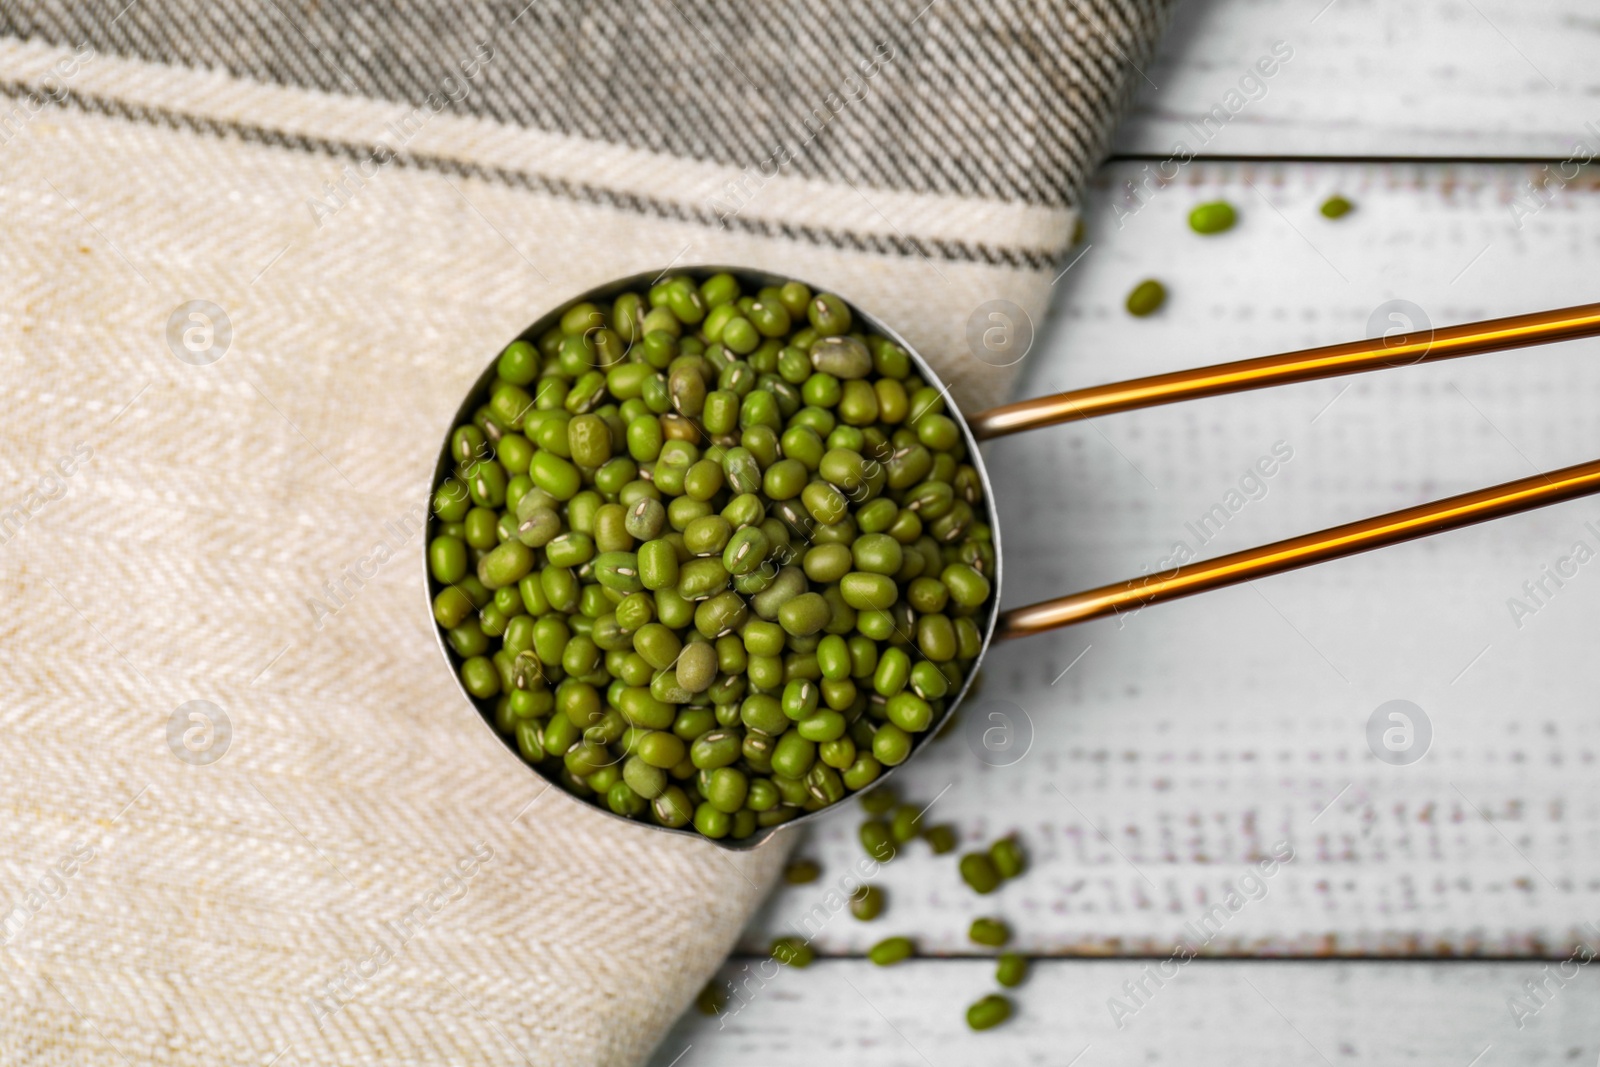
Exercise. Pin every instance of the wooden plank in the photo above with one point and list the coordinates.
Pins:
(1439, 78)
(1170, 750)
(848, 1011)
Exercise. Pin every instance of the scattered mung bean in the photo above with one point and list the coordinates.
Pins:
(711, 1000)
(1146, 297)
(941, 838)
(877, 839)
(989, 1012)
(1006, 855)
(802, 872)
(1010, 969)
(1214, 217)
(867, 903)
(978, 871)
(891, 950)
(904, 823)
(792, 952)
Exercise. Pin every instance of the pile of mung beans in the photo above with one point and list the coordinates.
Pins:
(711, 557)
(1217, 216)
(891, 824)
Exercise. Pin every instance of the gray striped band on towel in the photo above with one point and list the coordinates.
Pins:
(1010, 101)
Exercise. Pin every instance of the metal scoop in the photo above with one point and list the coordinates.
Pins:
(1426, 346)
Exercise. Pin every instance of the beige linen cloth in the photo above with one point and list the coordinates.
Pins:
(254, 253)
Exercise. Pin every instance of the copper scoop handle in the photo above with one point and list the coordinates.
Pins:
(1331, 361)
(1451, 513)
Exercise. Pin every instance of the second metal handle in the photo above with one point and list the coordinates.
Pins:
(1449, 514)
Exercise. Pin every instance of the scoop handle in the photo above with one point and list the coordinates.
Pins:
(1331, 361)
(1451, 513)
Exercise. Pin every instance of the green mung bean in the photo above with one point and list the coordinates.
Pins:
(1146, 297)
(711, 1000)
(941, 838)
(891, 950)
(989, 1012)
(792, 952)
(447, 559)
(978, 871)
(1006, 855)
(867, 903)
(1335, 207)
(802, 872)
(880, 801)
(697, 667)
(904, 823)
(891, 745)
(1010, 969)
(1214, 217)
(877, 840)
(990, 932)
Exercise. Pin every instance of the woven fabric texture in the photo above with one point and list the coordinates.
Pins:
(250, 269)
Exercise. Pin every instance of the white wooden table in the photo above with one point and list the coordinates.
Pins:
(1171, 750)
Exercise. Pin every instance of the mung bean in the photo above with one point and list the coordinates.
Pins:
(989, 1012)
(1146, 297)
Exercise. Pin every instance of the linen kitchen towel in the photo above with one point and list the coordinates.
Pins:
(256, 252)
